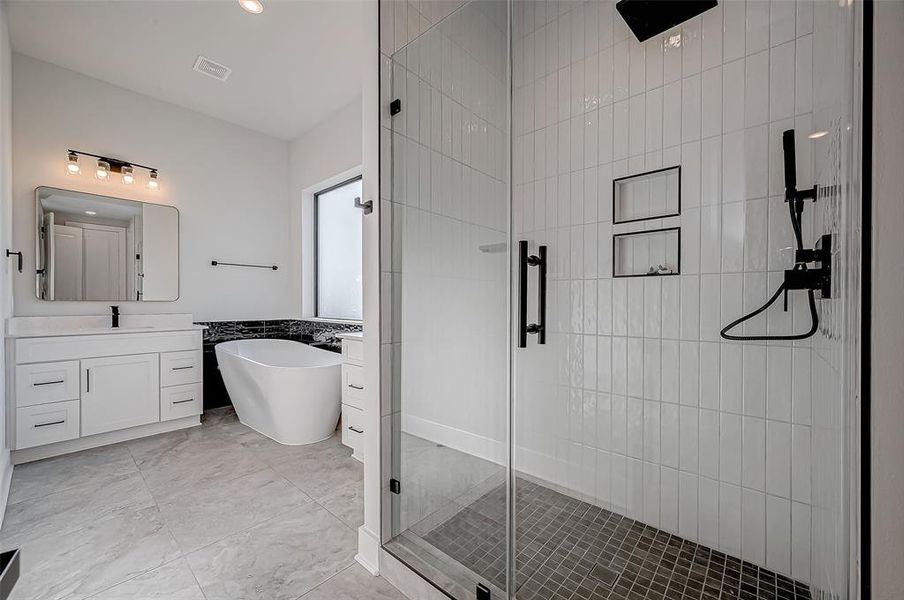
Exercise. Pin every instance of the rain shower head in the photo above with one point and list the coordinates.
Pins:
(647, 18)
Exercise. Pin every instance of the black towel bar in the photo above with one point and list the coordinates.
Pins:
(228, 264)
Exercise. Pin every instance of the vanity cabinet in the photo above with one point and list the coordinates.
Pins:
(79, 391)
(119, 392)
(353, 393)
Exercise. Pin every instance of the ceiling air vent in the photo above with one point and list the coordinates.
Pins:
(212, 68)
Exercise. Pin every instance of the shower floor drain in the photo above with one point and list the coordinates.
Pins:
(605, 575)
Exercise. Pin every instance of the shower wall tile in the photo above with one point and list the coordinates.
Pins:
(721, 432)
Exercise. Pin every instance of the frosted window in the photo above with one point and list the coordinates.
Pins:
(339, 252)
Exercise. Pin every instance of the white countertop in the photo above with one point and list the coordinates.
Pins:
(22, 327)
(351, 335)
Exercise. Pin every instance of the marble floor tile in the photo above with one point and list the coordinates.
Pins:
(62, 512)
(354, 583)
(172, 581)
(207, 514)
(319, 473)
(274, 453)
(90, 467)
(347, 503)
(172, 465)
(280, 559)
(90, 559)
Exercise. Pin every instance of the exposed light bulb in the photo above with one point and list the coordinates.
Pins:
(253, 6)
(127, 177)
(72, 165)
(153, 182)
(103, 170)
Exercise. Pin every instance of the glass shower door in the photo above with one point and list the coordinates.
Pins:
(449, 281)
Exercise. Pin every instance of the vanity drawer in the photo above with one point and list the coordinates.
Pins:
(178, 368)
(181, 401)
(353, 430)
(42, 383)
(353, 385)
(353, 350)
(47, 423)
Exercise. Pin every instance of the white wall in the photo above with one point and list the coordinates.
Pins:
(327, 154)
(7, 268)
(887, 318)
(231, 186)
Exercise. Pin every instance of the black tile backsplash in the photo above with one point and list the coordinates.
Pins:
(319, 333)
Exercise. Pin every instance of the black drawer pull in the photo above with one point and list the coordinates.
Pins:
(183, 368)
(50, 423)
(48, 382)
(355, 430)
(183, 401)
(356, 387)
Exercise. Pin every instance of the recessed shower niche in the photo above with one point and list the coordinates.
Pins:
(647, 253)
(651, 195)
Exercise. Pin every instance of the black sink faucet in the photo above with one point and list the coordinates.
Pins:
(115, 315)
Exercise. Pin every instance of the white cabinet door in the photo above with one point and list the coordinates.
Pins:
(119, 392)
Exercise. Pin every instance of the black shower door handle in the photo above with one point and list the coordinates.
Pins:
(526, 260)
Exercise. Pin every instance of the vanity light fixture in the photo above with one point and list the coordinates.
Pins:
(103, 170)
(106, 165)
(72, 165)
(252, 6)
(153, 183)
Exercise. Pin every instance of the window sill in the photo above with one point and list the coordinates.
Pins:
(339, 321)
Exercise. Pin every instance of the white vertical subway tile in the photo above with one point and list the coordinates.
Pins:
(671, 56)
(754, 380)
(670, 310)
(637, 69)
(709, 444)
(757, 25)
(690, 241)
(688, 439)
(619, 365)
(619, 482)
(669, 449)
(730, 436)
(670, 377)
(652, 368)
(781, 81)
(709, 375)
(619, 435)
(711, 102)
(635, 367)
(778, 534)
(730, 519)
(778, 467)
(803, 75)
(634, 488)
(734, 26)
(804, 21)
(710, 239)
(690, 311)
(781, 21)
(800, 463)
(710, 309)
(733, 94)
(690, 175)
(671, 114)
(621, 127)
(733, 232)
(800, 384)
(731, 373)
(654, 63)
(800, 541)
(687, 505)
(689, 369)
(711, 40)
(778, 387)
(652, 306)
(651, 494)
(756, 162)
(756, 98)
(620, 70)
(708, 518)
(651, 430)
(690, 108)
(753, 531)
(668, 506)
(653, 120)
(637, 125)
(753, 453)
(691, 46)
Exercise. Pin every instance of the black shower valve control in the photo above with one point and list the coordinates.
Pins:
(818, 278)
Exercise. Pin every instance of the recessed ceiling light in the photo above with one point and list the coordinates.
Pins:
(90, 212)
(818, 134)
(253, 6)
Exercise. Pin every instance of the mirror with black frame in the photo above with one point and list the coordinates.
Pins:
(100, 248)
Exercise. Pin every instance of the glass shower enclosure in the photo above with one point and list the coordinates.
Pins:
(579, 229)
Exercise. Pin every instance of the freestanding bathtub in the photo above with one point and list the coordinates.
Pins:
(286, 390)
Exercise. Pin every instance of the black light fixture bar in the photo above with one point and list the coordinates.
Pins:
(116, 164)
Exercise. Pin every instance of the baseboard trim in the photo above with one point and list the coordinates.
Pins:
(457, 439)
(5, 483)
(368, 555)
(102, 439)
